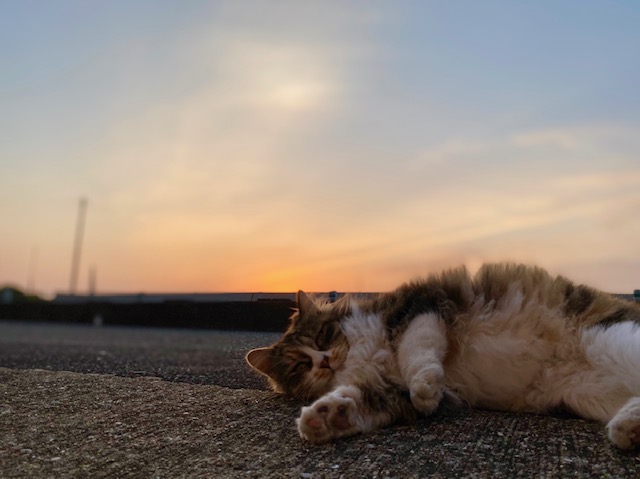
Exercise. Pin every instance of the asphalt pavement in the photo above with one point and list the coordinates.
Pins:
(197, 356)
(79, 401)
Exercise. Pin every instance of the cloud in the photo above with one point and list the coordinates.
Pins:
(502, 199)
(569, 138)
(585, 138)
(451, 150)
(558, 138)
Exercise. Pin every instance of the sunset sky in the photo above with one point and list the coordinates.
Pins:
(350, 146)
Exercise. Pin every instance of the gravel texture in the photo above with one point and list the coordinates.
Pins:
(65, 424)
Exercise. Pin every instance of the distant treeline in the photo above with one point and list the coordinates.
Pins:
(9, 294)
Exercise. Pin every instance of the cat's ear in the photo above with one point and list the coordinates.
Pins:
(306, 306)
(343, 305)
(258, 359)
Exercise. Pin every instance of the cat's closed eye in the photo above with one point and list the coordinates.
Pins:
(323, 339)
(301, 365)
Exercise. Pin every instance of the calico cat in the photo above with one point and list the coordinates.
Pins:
(511, 338)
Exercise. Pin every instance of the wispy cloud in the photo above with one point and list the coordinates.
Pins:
(555, 138)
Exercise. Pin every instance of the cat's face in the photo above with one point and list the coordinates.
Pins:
(303, 363)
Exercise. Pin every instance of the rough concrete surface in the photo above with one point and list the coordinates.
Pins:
(63, 424)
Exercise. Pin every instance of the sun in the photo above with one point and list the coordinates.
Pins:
(297, 94)
(289, 77)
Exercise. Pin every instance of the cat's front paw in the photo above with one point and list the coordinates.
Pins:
(328, 418)
(426, 391)
(624, 428)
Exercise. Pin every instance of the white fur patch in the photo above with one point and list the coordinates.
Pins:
(421, 351)
(369, 358)
(616, 350)
(423, 345)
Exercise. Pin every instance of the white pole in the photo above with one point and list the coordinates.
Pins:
(77, 245)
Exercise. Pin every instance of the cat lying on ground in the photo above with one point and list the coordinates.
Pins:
(512, 338)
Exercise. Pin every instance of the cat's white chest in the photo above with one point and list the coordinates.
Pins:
(369, 352)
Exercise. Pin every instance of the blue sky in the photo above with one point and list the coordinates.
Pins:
(234, 146)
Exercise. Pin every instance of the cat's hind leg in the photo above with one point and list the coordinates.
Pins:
(603, 381)
(421, 351)
(614, 353)
(600, 396)
(624, 428)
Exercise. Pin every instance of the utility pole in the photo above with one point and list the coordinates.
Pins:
(92, 281)
(77, 245)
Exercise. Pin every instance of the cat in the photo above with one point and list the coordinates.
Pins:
(510, 338)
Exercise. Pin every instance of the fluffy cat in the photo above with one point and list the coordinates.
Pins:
(511, 338)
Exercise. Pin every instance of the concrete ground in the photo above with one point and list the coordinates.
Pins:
(143, 418)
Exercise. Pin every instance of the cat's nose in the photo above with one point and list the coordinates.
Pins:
(325, 362)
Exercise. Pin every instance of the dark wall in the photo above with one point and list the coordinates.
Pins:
(246, 316)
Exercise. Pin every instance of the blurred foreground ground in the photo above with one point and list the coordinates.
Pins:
(175, 403)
